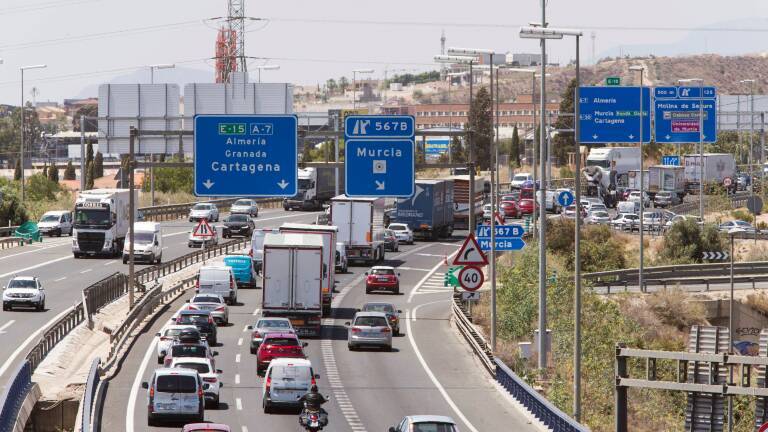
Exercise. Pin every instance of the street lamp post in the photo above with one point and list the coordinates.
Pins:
(701, 140)
(640, 280)
(354, 84)
(266, 67)
(751, 83)
(21, 146)
(731, 233)
(153, 68)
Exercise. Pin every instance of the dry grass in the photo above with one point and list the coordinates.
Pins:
(757, 301)
(674, 308)
(161, 198)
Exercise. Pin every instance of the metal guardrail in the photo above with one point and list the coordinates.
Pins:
(543, 409)
(9, 242)
(14, 395)
(104, 292)
(7, 231)
(86, 405)
(479, 345)
(176, 211)
(55, 333)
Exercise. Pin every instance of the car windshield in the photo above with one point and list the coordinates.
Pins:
(279, 324)
(176, 384)
(631, 216)
(144, 237)
(291, 373)
(602, 163)
(99, 217)
(22, 283)
(520, 177)
(49, 218)
(206, 299)
(201, 207)
(381, 271)
(394, 227)
(744, 224)
(237, 218)
(192, 319)
(281, 341)
(433, 427)
(371, 321)
(663, 194)
(242, 203)
(378, 307)
(199, 367)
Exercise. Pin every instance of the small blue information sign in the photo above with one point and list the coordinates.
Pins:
(565, 198)
(508, 237)
(670, 160)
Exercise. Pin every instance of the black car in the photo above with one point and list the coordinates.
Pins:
(238, 224)
(390, 241)
(200, 319)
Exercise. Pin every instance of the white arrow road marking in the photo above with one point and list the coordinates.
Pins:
(6, 325)
(208, 183)
(283, 184)
(379, 185)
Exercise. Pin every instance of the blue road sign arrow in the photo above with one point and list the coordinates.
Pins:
(246, 155)
(565, 198)
(612, 114)
(378, 127)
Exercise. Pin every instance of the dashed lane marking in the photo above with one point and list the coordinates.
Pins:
(6, 325)
(86, 271)
(240, 342)
(60, 279)
(239, 403)
(245, 328)
(237, 358)
(108, 263)
(337, 386)
(237, 378)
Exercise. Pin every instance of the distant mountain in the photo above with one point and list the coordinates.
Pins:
(178, 75)
(722, 41)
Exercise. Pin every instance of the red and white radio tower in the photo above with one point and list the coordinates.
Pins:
(230, 43)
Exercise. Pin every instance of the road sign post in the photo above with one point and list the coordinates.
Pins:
(380, 156)
(246, 155)
(676, 114)
(611, 115)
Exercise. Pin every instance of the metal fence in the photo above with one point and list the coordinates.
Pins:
(14, 395)
(86, 405)
(177, 211)
(104, 292)
(54, 334)
(7, 231)
(464, 322)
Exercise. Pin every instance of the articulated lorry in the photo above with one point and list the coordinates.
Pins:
(606, 168)
(317, 185)
(717, 167)
(327, 235)
(669, 178)
(461, 200)
(292, 274)
(102, 221)
(429, 212)
(360, 222)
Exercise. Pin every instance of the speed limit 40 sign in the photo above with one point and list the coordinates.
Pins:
(471, 278)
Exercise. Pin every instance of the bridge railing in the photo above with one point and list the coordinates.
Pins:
(14, 395)
(177, 211)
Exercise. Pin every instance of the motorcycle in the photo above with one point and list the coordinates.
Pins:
(312, 420)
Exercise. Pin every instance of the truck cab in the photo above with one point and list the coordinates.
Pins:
(101, 221)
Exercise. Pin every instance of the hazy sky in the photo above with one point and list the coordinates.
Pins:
(86, 42)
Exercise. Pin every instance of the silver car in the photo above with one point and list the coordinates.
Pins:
(598, 217)
(245, 206)
(268, 325)
(205, 211)
(212, 303)
(369, 329)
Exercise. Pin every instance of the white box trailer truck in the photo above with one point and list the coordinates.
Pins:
(717, 167)
(360, 223)
(633, 179)
(327, 233)
(292, 274)
(602, 160)
(102, 221)
(667, 178)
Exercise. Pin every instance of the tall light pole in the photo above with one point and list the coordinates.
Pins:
(266, 67)
(701, 140)
(354, 84)
(751, 83)
(731, 233)
(641, 282)
(21, 146)
(153, 68)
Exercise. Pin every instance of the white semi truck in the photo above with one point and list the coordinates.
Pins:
(607, 166)
(717, 167)
(360, 222)
(316, 186)
(102, 221)
(327, 234)
(292, 275)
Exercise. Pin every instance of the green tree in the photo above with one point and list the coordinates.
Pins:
(89, 154)
(563, 142)
(53, 173)
(45, 171)
(89, 168)
(331, 86)
(40, 188)
(686, 240)
(172, 179)
(12, 212)
(343, 84)
(17, 171)
(99, 165)
(482, 128)
(515, 148)
(91, 125)
(69, 172)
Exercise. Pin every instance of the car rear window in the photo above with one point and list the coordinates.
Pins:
(371, 322)
(291, 373)
(274, 324)
(201, 207)
(433, 427)
(176, 384)
(242, 202)
(199, 367)
(382, 272)
(206, 299)
(280, 341)
(210, 275)
(378, 308)
(192, 319)
(189, 351)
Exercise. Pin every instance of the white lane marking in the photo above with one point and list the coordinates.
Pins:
(244, 429)
(42, 264)
(256, 311)
(332, 375)
(245, 328)
(446, 396)
(36, 250)
(86, 271)
(288, 216)
(6, 325)
(239, 404)
(60, 279)
(240, 342)
(30, 339)
(237, 378)
(109, 263)
(237, 358)
(165, 247)
(423, 280)
(412, 269)
(431, 255)
(129, 412)
(175, 234)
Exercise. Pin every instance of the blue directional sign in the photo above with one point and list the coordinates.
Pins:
(612, 114)
(380, 156)
(508, 237)
(565, 198)
(670, 160)
(246, 155)
(676, 113)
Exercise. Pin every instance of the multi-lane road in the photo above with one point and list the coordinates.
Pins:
(430, 370)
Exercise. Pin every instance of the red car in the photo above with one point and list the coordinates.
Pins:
(277, 345)
(526, 206)
(382, 278)
(510, 209)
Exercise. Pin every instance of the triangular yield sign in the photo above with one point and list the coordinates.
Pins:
(470, 253)
(499, 219)
(203, 229)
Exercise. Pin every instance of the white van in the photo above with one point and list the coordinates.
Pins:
(148, 243)
(56, 223)
(286, 380)
(257, 246)
(218, 280)
(174, 394)
(632, 207)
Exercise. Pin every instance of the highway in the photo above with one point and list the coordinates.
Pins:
(431, 370)
(64, 279)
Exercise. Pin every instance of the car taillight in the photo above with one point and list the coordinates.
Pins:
(197, 283)
(355, 330)
(385, 330)
(190, 307)
(210, 380)
(220, 309)
(313, 382)
(200, 392)
(210, 320)
(167, 362)
(269, 383)
(151, 392)
(255, 334)
(250, 253)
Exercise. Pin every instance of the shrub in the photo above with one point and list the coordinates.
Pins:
(89, 176)
(600, 250)
(685, 241)
(171, 180)
(674, 308)
(98, 170)
(17, 171)
(39, 188)
(740, 214)
(566, 172)
(69, 172)
(53, 173)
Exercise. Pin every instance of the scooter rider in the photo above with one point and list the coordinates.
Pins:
(313, 400)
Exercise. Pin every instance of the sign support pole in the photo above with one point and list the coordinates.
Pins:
(494, 173)
(542, 217)
(471, 220)
(131, 217)
(577, 252)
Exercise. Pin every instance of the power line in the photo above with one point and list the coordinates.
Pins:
(43, 5)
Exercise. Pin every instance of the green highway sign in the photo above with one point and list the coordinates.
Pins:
(613, 81)
(451, 277)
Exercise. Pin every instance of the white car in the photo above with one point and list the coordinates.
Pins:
(598, 217)
(635, 196)
(680, 218)
(166, 337)
(245, 206)
(24, 291)
(519, 179)
(425, 423)
(402, 232)
(174, 394)
(212, 303)
(211, 380)
(626, 221)
(200, 239)
(206, 211)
